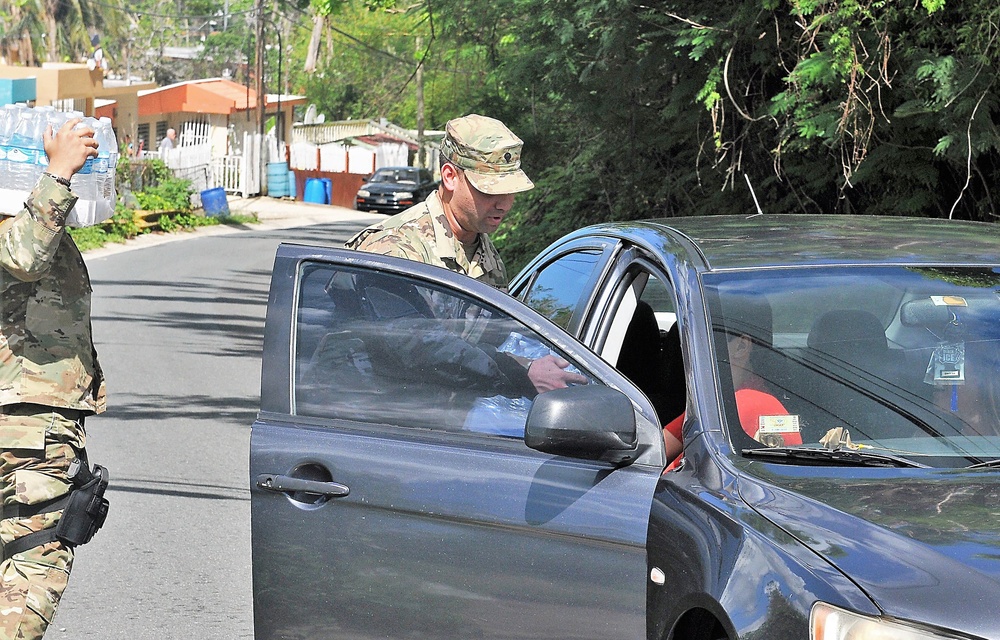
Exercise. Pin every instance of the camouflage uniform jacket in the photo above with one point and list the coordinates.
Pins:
(422, 233)
(47, 353)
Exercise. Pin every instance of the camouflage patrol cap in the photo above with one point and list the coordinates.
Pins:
(488, 152)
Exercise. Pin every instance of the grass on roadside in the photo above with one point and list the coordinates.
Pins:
(123, 226)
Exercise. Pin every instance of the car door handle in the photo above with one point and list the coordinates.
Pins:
(288, 484)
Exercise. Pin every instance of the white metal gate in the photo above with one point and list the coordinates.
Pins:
(239, 173)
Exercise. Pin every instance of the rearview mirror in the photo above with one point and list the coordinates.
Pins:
(590, 421)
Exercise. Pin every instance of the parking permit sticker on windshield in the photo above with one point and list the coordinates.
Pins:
(771, 429)
(778, 424)
(949, 301)
(947, 365)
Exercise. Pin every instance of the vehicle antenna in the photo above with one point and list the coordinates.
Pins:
(756, 204)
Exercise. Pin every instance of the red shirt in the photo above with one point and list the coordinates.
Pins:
(751, 404)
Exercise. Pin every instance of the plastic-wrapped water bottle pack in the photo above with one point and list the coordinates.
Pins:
(23, 160)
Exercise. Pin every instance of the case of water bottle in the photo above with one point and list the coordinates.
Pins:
(23, 160)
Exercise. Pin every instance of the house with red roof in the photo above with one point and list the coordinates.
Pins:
(224, 108)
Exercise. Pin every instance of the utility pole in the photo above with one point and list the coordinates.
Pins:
(259, 13)
(421, 155)
(260, 95)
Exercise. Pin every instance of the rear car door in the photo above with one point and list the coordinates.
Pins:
(393, 494)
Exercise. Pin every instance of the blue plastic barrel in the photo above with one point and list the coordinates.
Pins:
(315, 191)
(277, 179)
(328, 187)
(214, 202)
(292, 187)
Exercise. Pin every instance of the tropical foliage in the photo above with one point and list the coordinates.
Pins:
(637, 108)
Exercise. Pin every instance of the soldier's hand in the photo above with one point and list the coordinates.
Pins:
(549, 372)
(69, 148)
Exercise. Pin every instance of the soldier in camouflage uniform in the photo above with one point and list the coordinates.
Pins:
(480, 173)
(49, 380)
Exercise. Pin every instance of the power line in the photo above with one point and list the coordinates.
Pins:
(138, 13)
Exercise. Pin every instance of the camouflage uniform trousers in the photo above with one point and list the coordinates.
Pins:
(37, 445)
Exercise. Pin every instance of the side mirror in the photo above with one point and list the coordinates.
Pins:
(589, 421)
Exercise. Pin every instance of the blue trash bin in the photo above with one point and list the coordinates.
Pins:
(315, 192)
(328, 187)
(214, 202)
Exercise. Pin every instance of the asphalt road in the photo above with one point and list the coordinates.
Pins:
(179, 328)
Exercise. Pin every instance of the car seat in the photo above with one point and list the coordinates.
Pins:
(855, 339)
(858, 376)
(645, 361)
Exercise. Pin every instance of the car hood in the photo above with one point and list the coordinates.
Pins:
(924, 544)
(387, 187)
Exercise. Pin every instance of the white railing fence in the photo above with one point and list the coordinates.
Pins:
(227, 172)
(240, 172)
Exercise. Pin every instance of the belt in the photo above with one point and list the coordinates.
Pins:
(73, 415)
(19, 510)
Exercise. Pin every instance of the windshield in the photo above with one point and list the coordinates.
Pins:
(891, 360)
(396, 176)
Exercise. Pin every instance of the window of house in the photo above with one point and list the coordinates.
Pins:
(142, 133)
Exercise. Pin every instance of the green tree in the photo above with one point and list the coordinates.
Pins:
(636, 109)
(36, 31)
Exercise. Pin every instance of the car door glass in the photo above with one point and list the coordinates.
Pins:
(375, 347)
(559, 289)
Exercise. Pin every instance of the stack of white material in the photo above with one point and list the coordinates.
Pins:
(23, 160)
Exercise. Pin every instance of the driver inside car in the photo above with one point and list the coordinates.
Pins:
(748, 346)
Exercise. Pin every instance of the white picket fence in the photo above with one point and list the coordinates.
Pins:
(340, 158)
(239, 174)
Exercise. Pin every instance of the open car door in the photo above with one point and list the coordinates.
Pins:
(393, 492)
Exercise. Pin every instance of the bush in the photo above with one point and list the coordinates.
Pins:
(121, 227)
(171, 194)
(87, 238)
(123, 223)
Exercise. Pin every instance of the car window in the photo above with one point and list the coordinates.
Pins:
(893, 359)
(643, 342)
(560, 288)
(377, 348)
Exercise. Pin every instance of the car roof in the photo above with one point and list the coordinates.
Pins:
(738, 242)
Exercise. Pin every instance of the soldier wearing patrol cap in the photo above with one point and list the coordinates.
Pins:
(49, 380)
(480, 173)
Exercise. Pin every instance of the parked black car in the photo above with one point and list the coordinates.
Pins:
(404, 484)
(395, 189)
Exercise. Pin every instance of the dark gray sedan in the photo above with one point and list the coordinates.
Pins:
(394, 189)
(790, 430)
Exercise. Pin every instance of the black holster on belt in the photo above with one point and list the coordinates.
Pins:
(87, 508)
(84, 510)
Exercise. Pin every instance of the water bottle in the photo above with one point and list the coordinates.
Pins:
(26, 146)
(49, 117)
(107, 158)
(8, 118)
(84, 183)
